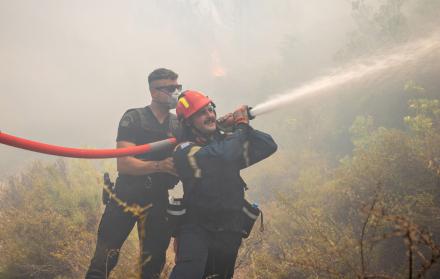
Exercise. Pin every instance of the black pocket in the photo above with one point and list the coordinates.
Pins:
(250, 214)
(175, 212)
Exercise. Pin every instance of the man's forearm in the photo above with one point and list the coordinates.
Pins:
(133, 166)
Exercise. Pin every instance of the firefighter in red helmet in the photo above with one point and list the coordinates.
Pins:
(208, 162)
(191, 102)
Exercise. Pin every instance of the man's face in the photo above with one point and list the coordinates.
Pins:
(163, 89)
(205, 120)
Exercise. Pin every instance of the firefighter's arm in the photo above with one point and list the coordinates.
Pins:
(260, 146)
(193, 161)
(133, 166)
(228, 150)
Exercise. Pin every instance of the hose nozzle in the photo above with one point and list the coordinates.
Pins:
(249, 111)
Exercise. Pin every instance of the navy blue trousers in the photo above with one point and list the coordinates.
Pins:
(202, 253)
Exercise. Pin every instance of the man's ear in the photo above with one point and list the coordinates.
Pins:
(153, 93)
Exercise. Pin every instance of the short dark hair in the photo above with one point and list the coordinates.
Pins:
(161, 73)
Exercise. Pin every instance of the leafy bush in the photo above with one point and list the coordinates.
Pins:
(371, 216)
(49, 222)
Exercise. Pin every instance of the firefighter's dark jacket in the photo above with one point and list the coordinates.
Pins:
(213, 187)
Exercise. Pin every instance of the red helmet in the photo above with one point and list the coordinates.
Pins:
(191, 102)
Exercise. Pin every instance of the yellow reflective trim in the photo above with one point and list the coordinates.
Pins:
(192, 161)
(247, 160)
(184, 102)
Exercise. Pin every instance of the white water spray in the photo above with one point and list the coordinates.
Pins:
(355, 71)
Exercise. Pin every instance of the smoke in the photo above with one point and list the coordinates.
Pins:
(206, 9)
(70, 69)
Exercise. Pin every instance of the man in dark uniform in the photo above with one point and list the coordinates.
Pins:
(141, 191)
(208, 163)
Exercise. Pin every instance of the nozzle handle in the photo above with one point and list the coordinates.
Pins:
(249, 111)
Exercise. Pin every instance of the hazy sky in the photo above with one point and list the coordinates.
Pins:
(69, 69)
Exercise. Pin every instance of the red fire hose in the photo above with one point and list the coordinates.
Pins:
(83, 153)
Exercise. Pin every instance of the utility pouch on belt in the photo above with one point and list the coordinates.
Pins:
(250, 213)
(109, 187)
(175, 211)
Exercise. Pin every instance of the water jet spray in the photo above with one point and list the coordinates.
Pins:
(354, 71)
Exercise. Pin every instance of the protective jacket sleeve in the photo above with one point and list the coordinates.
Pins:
(238, 150)
(260, 146)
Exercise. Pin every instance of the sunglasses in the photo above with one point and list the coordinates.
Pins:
(169, 89)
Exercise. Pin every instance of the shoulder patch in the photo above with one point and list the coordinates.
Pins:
(128, 118)
(126, 121)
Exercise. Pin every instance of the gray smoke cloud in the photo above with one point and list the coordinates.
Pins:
(69, 69)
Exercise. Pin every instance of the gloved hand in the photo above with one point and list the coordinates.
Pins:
(241, 115)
